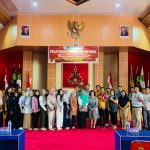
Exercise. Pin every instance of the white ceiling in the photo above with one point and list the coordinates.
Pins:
(127, 7)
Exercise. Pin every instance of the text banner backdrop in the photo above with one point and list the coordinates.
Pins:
(72, 54)
(72, 77)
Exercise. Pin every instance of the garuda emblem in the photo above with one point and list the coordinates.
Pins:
(75, 29)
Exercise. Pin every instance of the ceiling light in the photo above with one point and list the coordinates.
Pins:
(34, 3)
(117, 5)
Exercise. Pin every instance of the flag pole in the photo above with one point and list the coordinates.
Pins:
(148, 80)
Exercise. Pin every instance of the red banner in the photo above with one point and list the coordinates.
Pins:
(75, 74)
(72, 54)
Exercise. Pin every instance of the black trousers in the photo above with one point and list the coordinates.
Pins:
(73, 121)
(82, 119)
(35, 119)
(65, 115)
(1, 119)
(15, 120)
(42, 117)
(107, 116)
(21, 120)
(113, 116)
(102, 115)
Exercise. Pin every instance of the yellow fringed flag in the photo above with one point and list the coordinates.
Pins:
(131, 78)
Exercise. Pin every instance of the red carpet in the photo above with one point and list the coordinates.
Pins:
(78, 139)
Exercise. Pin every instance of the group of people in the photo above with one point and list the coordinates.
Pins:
(60, 109)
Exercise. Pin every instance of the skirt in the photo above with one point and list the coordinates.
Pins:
(94, 114)
(27, 121)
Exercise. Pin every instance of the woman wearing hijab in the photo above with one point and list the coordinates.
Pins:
(35, 110)
(83, 109)
(27, 110)
(43, 109)
(73, 108)
(15, 111)
(51, 107)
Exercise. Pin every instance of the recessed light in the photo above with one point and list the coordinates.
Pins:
(34, 3)
(117, 5)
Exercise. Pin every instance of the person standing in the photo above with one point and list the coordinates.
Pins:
(42, 101)
(15, 111)
(146, 103)
(27, 110)
(93, 108)
(73, 108)
(83, 108)
(137, 104)
(35, 109)
(107, 108)
(97, 92)
(51, 107)
(8, 102)
(66, 117)
(102, 107)
(2, 109)
(59, 109)
(21, 106)
(113, 108)
(124, 104)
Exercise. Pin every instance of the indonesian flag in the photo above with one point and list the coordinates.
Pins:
(110, 81)
(6, 79)
(28, 81)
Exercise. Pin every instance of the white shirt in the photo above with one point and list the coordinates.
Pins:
(147, 101)
(59, 102)
(135, 101)
(42, 101)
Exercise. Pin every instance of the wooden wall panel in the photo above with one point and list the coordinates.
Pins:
(99, 69)
(111, 63)
(52, 30)
(27, 66)
(8, 36)
(123, 67)
(39, 70)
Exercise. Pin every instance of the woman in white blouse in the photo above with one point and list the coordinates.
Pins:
(59, 110)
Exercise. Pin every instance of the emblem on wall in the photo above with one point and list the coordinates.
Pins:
(75, 29)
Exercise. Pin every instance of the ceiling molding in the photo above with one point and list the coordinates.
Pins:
(4, 18)
(146, 20)
(77, 2)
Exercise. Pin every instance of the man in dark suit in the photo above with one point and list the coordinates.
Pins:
(25, 31)
(124, 31)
